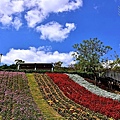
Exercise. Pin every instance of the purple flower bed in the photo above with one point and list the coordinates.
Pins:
(16, 102)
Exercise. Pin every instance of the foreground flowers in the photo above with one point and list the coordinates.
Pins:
(16, 102)
(62, 104)
(82, 96)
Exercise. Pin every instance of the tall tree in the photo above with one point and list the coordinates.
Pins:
(18, 61)
(89, 53)
(0, 58)
(58, 65)
(115, 64)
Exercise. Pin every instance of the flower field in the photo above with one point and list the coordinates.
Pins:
(82, 96)
(16, 102)
(92, 88)
(63, 105)
(67, 95)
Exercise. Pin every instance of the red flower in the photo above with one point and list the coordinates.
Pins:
(82, 96)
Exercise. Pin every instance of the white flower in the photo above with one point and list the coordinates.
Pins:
(92, 88)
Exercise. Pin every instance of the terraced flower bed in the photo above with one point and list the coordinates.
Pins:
(93, 88)
(63, 105)
(48, 112)
(19, 101)
(82, 96)
(16, 102)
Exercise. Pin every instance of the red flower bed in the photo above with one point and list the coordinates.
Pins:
(82, 96)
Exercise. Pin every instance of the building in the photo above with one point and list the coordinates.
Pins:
(35, 66)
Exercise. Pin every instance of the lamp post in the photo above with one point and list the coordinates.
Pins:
(0, 58)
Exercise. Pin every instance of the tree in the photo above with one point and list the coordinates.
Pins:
(58, 65)
(115, 64)
(5, 66)
(13, 66)
(18, 61)
(0, 58)
(89, 53)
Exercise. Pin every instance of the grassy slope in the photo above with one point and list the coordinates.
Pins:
(48, 112)
(0, 117)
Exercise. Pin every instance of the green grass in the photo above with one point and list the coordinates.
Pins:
(0, 117)
(48, 112)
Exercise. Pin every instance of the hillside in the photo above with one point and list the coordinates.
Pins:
(51, 96)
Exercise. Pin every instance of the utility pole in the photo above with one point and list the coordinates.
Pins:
(0, 58)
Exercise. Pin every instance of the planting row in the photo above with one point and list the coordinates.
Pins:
(63, 105)
(93, 88)
(82, 96)
(16, 102)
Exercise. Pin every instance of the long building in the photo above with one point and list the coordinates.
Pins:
(36, 66)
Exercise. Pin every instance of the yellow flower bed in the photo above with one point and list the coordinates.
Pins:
(48, 112)
(0, 117)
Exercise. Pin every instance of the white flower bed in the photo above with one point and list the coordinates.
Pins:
(92, 88)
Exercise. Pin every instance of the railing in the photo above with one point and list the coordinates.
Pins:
(113, 74)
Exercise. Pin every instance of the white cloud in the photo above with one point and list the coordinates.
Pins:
(53, 5)
(73, 5)
(95, 7)
(17, 23)
(6, 20)
(34, 17)
(17, 6)
(35, 10)
(8, 9)
(45, 48)
(60, 5)
(55, 31)
(40, 9)
(37, 55)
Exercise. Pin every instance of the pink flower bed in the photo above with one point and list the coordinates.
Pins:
(82, 96)
(16, 101)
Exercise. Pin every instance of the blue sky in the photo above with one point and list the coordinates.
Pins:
(45, 31)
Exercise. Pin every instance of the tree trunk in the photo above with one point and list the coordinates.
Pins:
(95, 80)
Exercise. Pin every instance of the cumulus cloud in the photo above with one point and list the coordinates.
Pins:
(68, 6)
(34, 11)
(41, 54)
(55, 31)
(8, 9)
(17, 23)
(39, 11)
(34, 17)
(15, 13)
(6, 20)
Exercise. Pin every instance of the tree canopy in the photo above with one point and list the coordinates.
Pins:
(89, 53)
(115, 64)
(18, 61)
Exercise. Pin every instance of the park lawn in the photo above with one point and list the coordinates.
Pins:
(48, 112)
